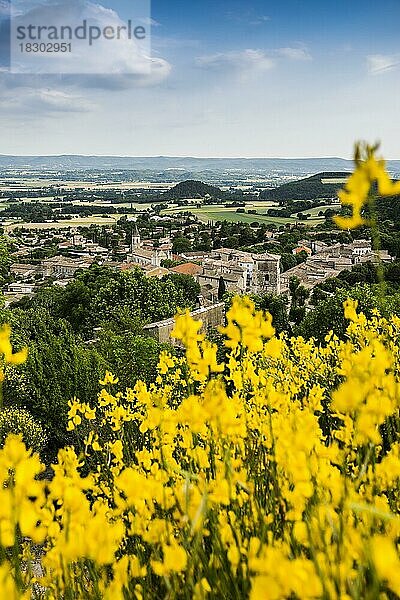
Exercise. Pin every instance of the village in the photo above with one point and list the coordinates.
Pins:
(221, 269)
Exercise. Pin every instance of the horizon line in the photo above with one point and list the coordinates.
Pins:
(235, 157)
(184, 156)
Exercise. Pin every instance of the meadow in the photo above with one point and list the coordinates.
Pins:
(64, 224)
(205, 214)
(212, 212)
(21, 183)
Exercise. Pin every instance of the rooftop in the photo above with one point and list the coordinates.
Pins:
(188, 269)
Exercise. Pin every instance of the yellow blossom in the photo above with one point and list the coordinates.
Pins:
(174, 560)
(369, 171)
(109, 379)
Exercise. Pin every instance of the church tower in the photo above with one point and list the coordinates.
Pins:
(136, 241)
(266, 277)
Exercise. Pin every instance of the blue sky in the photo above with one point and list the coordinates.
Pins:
(282, 78)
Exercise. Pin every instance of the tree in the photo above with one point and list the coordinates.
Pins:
(362, 273)
(277, 307)
(288, 261)
(168, 263)
(189, 287)
(328, 315)
(221, 288)
(59, 367)
(5, 260)
(131, 357)
(298, 294)
(392, 274)
(101, 295)
(181, 244)
(203, 242)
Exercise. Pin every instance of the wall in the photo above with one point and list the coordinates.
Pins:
(211, 316)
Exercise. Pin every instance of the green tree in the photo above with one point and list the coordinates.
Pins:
(277, 307)
(59, 367)
(189, 287)
(101, 295)
(298, 295)
(5, 260)
(329, 315)
(181, 244)
(129, 356)
(221, 288)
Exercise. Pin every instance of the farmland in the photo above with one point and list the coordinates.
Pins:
(212, 212)
(64, 224)
(107, 194)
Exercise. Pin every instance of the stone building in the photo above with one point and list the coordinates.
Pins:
(266, 274)
(243, 272)
(332, 260)
(210, 316)
(143, 256)
(63, 267)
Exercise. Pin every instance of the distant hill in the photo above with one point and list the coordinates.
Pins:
(287, 165)
(190, 167)
(299, 166)
(192, 189)
(322, 185)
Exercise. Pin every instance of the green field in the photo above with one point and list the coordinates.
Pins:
(23, 183)
(139, 207)
(79, 222)
(211, 212)
(50, 200)
(234, 217)
(314, 211)
(206, 213)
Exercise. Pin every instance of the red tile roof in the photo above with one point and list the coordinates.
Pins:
(188, 269)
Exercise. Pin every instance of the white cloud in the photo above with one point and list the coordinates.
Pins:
(159, 71)
(4, 8)
(58, 101)
(150, 21)
(252, 61)
(300, 53)
(381, 63)
(43, 102)
(104, 57)
(242, 61)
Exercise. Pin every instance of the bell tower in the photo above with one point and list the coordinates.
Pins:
(136, 241)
